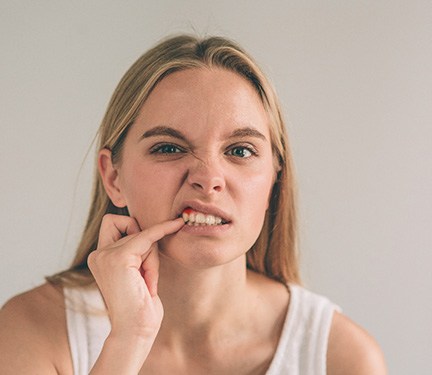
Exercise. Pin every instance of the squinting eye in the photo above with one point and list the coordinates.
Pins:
(240, 152)
(166, 149)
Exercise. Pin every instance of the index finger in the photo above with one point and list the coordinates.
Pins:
(142, 242)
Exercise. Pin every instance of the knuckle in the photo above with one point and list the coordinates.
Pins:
(91, 259)
(107, 218)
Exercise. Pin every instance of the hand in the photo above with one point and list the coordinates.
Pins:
(126, 270)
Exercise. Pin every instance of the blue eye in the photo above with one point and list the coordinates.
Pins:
(166, 149)
(241, 152)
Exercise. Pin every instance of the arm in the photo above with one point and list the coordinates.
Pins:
(126, 271)
(122, 356)
(352, 350)
(32, 337)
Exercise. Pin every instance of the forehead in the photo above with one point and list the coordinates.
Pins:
(207, 99)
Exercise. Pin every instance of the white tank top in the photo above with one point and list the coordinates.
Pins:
(302, 347)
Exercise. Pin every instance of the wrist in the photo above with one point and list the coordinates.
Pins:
(123, 354)
(127, 336)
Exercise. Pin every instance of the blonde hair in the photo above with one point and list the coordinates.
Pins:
(274, 253)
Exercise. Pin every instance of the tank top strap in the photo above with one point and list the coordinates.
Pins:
(302, 347)
(88, 326)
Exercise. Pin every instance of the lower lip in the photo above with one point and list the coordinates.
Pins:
(206, 230)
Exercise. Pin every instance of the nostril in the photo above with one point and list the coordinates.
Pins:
(197, 186)
(207, 187)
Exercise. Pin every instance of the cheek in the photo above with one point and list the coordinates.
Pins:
(254, 203)
(257, 196)
(150, 193)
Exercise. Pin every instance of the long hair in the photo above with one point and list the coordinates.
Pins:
(275, 251)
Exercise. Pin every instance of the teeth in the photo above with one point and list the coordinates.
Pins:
(210, 220)
(198, 218)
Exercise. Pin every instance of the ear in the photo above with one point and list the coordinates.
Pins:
(110, 178)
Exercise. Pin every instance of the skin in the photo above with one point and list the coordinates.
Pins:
(172, 290)
(204, 169)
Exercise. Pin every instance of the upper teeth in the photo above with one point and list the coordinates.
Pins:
(198, 218)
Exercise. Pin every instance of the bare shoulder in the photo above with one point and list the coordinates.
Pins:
(352, 350)
(42, 297)
(33, 333)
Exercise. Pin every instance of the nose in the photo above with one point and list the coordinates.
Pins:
(206, 176)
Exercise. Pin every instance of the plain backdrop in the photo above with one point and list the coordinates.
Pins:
(355, 82)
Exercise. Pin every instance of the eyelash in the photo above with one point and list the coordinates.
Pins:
(158, 149)
(252, 150)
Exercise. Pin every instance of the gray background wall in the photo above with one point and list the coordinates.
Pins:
(355, 80)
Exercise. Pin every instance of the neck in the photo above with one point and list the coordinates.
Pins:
(202, 302)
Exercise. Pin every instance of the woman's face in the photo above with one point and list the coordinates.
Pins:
(201, 142)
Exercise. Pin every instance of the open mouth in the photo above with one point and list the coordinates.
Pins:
(196, 218)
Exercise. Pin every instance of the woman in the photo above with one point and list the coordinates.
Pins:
(188, 262)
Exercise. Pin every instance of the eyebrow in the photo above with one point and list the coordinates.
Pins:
(247, 132)
(163, 130)
(168, 131)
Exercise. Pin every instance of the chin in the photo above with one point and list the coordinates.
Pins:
(198, 255)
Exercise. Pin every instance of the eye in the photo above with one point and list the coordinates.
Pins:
(242, 152)
(166, 148)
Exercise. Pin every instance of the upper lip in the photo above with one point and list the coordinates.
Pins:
(205, 209)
